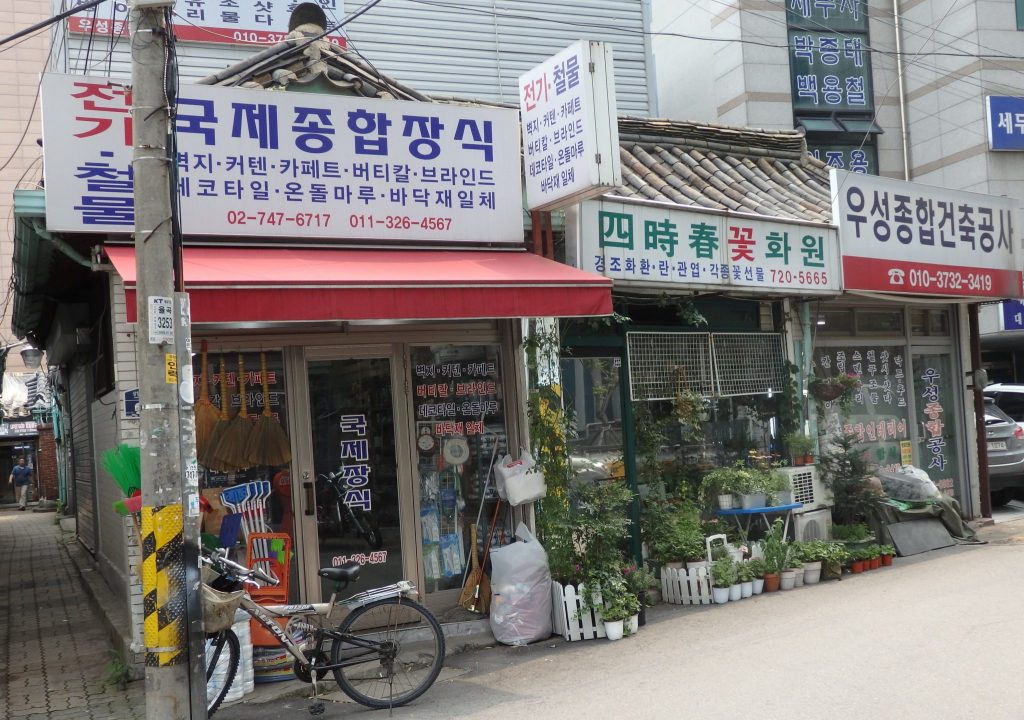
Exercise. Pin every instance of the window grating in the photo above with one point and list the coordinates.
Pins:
(662, 363)
(749, 363)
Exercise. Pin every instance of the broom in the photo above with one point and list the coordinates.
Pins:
(209, 457)
(480, 599)
(206, 414)
(268, 442)
(124, 463)
(230, 450)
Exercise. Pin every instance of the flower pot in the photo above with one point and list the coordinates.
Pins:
(675, 564)
(696, 564)
(876, 562)
(633, 624)
(887, 560)
(641, 617)
(752, 500)
(746, 589)
(784, 497)
(735, 592)
(725, 502)
(857, 566)
(758, 584)
(720, 595)
(799, 460)
(798, 574)
(771, 582)
(812, 572)
(613, 629)
(787, 579)
(808, 459)
(825, 391)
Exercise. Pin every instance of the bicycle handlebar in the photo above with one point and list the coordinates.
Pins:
(218, 557)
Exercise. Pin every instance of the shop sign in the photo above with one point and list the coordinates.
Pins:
(855, 158)
(1012, 315)
(290, 165)
(131, 403)
(355, 470)
(661, 246)
(570, 127)
(1005, 122)
(902, 237)
(848, 15)
(234, 22)
(831, 71)
(27, 427)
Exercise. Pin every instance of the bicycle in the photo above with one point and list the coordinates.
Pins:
(386, 652)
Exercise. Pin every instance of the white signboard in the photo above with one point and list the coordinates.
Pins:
(902, 237)
(570, 127)
(659, 246)
(293, 165)
(248, 22)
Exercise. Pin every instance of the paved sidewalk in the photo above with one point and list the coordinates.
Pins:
(54, 653)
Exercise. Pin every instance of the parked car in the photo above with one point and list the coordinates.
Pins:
(1009, 398)
(1005, 454)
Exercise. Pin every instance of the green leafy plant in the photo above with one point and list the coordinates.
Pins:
(744, 571)
(639, 580)
(723, 572)
(672, 530)
(732, 480)
(854, 532)
(798, 444)
(618, 602)
(775, 548)
(844, 471)
(757, 567)
(118, 671)
(887, 550)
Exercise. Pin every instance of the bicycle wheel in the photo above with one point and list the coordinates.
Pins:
(222, 654)
(394, 652)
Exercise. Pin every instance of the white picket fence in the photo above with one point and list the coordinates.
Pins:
(569, 619)
(686, 587)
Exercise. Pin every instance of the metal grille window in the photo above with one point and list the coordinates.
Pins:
(748, 363)
(661, 364)
(712, 364)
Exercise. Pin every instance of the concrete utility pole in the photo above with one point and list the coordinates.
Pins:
(163, 355)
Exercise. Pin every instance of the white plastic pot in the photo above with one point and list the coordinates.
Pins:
(735, 592)
(787, 580)
(758, 584)
(720, 595)
(613, 629)
(746, 589)
(812, 572)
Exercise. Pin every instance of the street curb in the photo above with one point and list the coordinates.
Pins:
(116, 620)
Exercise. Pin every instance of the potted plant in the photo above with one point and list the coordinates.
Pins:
(775, 553)
(757, 569)
(639, 580)
(800, 448)
(833, 557)
(745, 576)
(813, 552)
(875, 557)
(725, 482)
(671, 528)
(857, 559)
(834, 387)
(723, 576)
(796, 565)
(777, 487)
(888, 552)
(618, 603)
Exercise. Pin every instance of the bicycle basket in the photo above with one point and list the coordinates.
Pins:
(219, 608)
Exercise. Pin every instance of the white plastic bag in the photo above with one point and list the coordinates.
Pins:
(508, 468)
(520, 591)
(526, 487)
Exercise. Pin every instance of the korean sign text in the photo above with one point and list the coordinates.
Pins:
(1005, 122)
(290, 164)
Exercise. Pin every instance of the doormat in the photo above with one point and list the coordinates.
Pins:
(917, 536)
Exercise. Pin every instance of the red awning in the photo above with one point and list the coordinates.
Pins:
(232, 284)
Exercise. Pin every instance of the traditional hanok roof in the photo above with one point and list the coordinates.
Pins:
(767, 172)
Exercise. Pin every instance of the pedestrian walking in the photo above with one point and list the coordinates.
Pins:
(20, 477)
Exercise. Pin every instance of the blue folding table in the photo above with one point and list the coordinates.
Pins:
(763, 512)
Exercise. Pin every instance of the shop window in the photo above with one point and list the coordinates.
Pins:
(459, 411)
(593, 401)
(834, 322)
(879, 322)
(929, 322)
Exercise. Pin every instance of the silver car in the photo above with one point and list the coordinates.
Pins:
(1005, 454)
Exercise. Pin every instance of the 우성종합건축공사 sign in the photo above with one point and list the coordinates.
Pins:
(902, 237)
(274, 164)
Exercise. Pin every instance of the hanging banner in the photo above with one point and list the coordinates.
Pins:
(659, 246)
(902, 237)
(232, 22)
(291, 165)
(570, 127)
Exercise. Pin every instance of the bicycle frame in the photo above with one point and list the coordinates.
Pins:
(266, 616)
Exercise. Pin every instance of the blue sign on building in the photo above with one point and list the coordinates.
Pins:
(1013, 315)
(1005, 122)
(131, 403)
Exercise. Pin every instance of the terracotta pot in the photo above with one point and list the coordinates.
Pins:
(771, 582)
(876, 562)
(887, 560)
(809, 459)
(799, 460)
(857, 566)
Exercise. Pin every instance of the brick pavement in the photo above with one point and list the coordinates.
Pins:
(54, 653)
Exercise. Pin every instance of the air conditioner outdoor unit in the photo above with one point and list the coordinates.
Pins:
(814, 525)
(807, 488)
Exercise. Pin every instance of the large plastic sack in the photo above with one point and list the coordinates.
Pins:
(520, 591)
(909, 484)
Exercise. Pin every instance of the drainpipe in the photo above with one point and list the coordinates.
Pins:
(904, 134)
(805, 368)
(62, 246)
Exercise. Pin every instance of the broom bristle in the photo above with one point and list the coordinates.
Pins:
(124, 463)
(207, 418)
(231, 448)
(268, 443)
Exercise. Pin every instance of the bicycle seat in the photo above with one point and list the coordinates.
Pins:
(346, 573)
